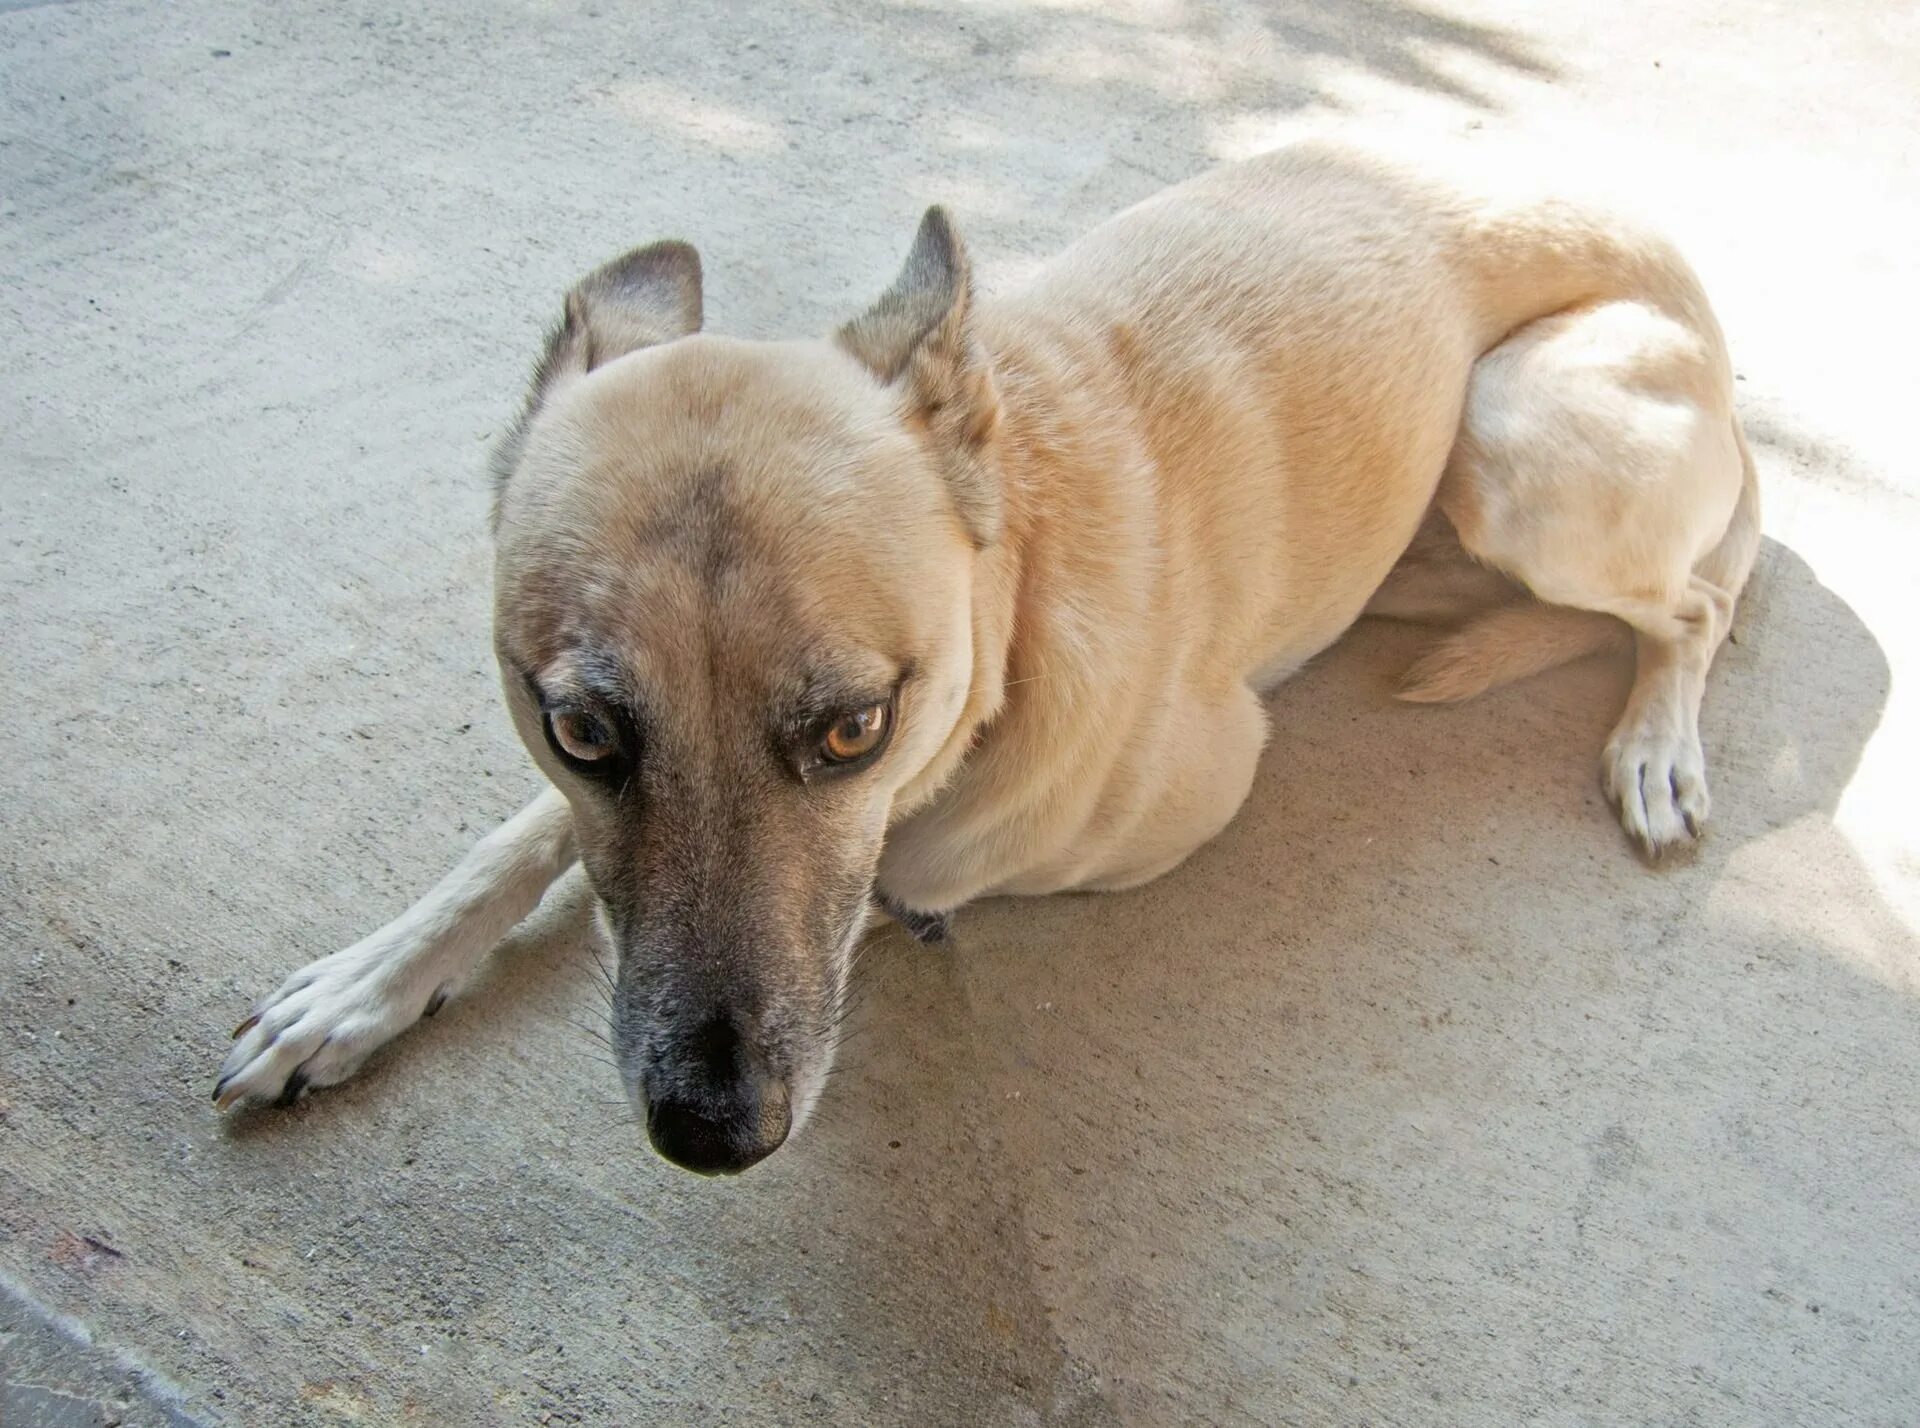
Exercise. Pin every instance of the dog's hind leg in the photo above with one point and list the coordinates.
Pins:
(329, 1016)
(1500, 632)
(1653, 767)
(1600, 464)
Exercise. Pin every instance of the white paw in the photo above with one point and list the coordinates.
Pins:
(1658, 781)
(326, 1019)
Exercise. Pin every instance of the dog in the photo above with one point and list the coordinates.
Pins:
(980, 596)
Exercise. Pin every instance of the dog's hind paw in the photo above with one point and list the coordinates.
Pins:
(1658, 782)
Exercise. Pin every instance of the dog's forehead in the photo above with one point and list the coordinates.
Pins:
(769, 477)
(719, 442)
(795, 417)
(731, 507)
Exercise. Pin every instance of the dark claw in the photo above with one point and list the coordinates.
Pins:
(435, 1002)
(246, 1026)
(218, 1087)
(296, 1083)
(923, 927)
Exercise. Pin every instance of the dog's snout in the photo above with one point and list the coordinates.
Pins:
(722, 1108)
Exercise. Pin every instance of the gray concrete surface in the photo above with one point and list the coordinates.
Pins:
(52, 1374)
(1413, 1099)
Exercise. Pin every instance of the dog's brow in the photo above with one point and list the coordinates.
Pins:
(827, 692)
(593, 674)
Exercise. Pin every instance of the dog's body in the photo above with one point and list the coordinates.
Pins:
(1076, 533)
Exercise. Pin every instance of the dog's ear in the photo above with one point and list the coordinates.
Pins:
(640, 299)
(918, 337)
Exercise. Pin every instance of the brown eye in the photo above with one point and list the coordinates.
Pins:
(855, 735)
(582, 737)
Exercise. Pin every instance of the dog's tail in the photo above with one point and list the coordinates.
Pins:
(1507, 643)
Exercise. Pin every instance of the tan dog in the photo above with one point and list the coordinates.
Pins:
(982, 598)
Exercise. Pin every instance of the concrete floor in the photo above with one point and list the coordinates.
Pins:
(1413, 1099)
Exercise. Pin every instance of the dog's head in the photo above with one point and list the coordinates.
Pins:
(733, 613)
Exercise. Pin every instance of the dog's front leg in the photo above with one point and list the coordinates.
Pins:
(331, 1014)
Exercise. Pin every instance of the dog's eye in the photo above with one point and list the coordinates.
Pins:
(585, 738)
(853, 736)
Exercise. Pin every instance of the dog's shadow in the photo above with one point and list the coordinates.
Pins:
(1406, 1010)
(1383, 1046)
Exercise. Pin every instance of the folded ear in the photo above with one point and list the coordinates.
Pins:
(640, 299)
(918, 337)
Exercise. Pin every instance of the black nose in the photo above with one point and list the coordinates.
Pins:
(718, 1110)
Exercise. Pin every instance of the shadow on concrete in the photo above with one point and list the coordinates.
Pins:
(1268, 54)
(1422, 929)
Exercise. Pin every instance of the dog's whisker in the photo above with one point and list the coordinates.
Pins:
(605, 1058)
(588, 1027)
